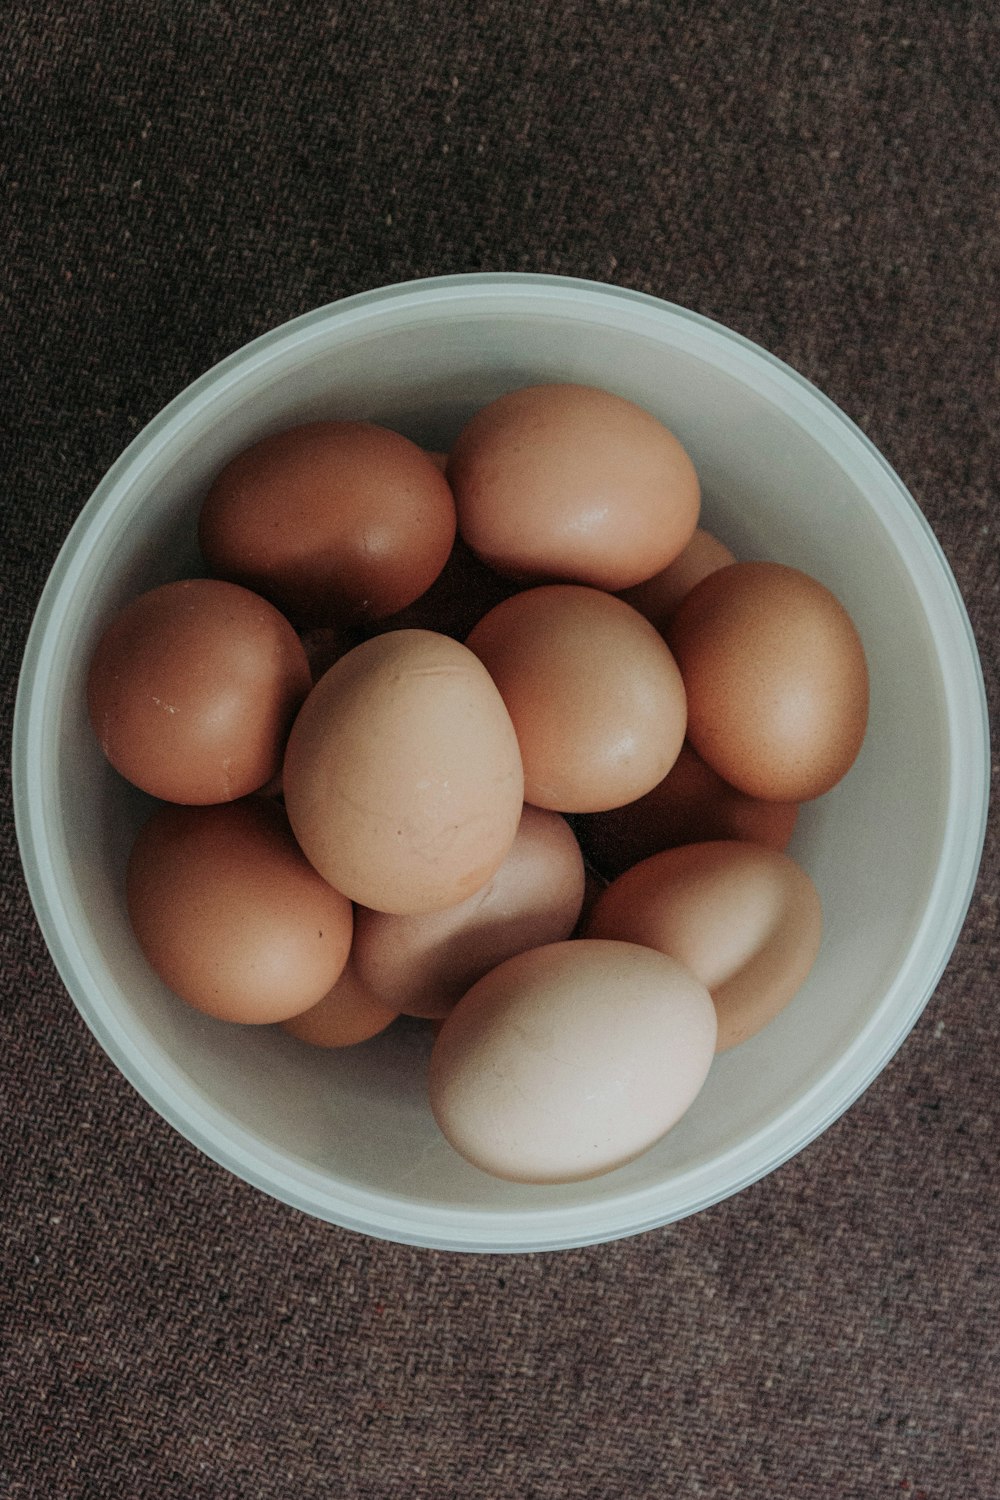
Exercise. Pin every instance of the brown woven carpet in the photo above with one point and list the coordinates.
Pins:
(180, 175)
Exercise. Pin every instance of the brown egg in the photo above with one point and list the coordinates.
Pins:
(746, 920)
(192, 690)
(347, 1014)
(570, 1060)
(595, 696)
(273, 788)
(460, 595)
(422, 965)
(439, 460)
(402, 776)
(776, 680)
(332, 521)
(660, 595)
(231, 915)
(323, 645)
(593, 884)
(689, 806)
(571, 482)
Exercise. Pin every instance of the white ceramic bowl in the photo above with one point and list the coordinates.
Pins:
(893, 849)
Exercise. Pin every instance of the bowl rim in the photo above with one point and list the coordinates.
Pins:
(381, 1215)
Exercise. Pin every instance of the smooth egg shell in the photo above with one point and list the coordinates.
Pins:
(347, 1014)
(402, 776)
(570, 1060)
(330, 520)
(660, 595)
(231, 915)
(423, 964)
(461, 594)
(745, 919)
(776, 680)
(192, 690)
(593, 692)
(691, 805)
(571, 482)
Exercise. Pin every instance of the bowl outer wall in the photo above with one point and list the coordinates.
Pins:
(382, 1216)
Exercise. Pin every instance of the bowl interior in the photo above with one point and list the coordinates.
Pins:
(349, 1135)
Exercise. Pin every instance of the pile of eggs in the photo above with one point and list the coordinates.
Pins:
(413, 694)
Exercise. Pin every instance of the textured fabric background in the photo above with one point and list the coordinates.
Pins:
(180, 175)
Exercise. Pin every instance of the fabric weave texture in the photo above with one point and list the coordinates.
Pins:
(179, 176)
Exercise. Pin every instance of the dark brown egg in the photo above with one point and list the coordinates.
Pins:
(192, 690)
(690, 805)
(332, 521)
(323, 645)
(231, 915)
(461, 594)
(776, 680)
